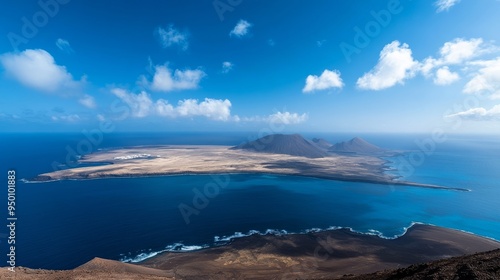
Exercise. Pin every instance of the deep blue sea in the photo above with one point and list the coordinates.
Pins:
(64, 224)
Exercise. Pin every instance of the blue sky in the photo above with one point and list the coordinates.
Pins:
(240, 65)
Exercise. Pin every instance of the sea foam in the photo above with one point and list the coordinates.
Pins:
(223, 240)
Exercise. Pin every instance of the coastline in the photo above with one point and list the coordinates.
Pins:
(337, 251)
(209, 160)
(319, 254)
(333, 178)
(220, 241)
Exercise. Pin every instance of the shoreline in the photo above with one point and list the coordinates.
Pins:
(331, 254)
(179, 160)
(339, 251)
(227, 240)
(332, 178)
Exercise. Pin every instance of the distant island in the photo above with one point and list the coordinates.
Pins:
(355, 160)
(337, 253)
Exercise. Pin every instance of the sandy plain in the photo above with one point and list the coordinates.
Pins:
(183, 160)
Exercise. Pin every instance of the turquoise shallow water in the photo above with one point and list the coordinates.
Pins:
(63, 224)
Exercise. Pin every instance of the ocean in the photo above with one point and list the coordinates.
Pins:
(63, 224)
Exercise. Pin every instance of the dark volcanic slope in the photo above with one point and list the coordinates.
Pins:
(321, 255)
(484, 265)
(355, 145)
(293, 144)
(315, 255)
(322, 143)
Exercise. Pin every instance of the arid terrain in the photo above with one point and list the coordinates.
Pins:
(321, 255)
(177, 160)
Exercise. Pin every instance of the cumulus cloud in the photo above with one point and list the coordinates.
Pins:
(478, 114)
(328, 79)
(445, 5)
(171, 36)
(455, 52)
(87, 101)
(37, 69)
(486, 80)
(395, 65)
(164, 79)
(215, 109)
(287, 118)
(279, 117)
(241, 28)
(142, 105)
(66, 118)
(445, 77)
(460, 50)
(64, 46)
(227, 66)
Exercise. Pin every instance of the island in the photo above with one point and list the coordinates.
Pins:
(355, 160)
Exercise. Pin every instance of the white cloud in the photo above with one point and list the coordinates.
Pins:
(445, 5)
(227, 66)
(215, 109)
(328, 79)
(445, 77)
(37, 69)
(66, 118)
(428, 65)
(396, 63)
(486, 80)
(164, 109)
(278, 117)
(87, 101)
(172, 36)
(455, 52)
(460, 50)
(166, 80)
(241, 28)
(287, 118)
(64, 46)
(394, 66)
(478, 114)
(141, 105)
